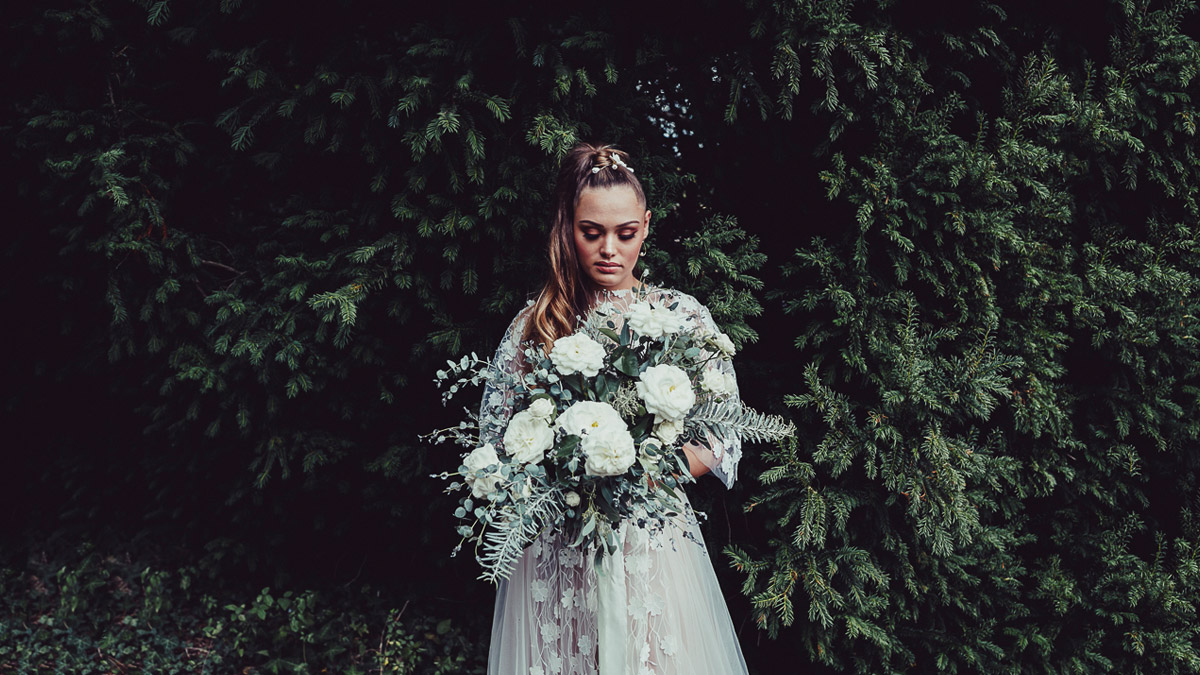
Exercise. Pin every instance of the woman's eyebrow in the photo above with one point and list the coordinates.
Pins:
(630, 223)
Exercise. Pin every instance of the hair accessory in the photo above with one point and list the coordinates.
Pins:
(614, 162)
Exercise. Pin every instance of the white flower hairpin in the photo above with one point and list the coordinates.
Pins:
(616, 161)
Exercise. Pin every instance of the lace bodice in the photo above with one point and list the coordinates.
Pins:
(499, 403)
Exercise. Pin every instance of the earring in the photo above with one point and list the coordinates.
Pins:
(642, 254)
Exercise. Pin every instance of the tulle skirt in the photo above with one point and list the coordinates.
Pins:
(677, 622)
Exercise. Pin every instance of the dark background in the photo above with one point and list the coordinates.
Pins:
(99, 451)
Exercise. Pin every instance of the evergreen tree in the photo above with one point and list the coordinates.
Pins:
(1001, 352)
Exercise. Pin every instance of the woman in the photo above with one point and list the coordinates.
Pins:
(674, 619)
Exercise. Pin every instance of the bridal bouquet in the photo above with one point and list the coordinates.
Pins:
(598, 434)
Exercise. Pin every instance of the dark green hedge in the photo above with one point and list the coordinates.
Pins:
(92, 611)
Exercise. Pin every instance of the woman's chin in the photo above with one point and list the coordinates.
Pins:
(611, 282)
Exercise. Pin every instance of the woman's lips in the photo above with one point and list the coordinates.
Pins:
(608, 267)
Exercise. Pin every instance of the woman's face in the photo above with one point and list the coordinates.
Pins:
(610, 226)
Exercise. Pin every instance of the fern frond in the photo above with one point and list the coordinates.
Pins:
(506, 539)
(731, 418)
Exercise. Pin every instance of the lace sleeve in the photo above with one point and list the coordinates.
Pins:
(721, 456)
(501, 393)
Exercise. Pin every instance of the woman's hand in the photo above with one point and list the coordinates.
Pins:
(695, 466)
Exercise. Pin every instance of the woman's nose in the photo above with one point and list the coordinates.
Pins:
(608, 245)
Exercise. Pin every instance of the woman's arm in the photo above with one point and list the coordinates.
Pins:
(696, 467)
(499, 395)
(720, 456)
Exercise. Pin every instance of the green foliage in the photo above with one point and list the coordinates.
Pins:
(717, 263)
(105, 613)
(382, 203)
(1001, 355)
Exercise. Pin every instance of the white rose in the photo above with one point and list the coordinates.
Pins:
(527, 438)
(722, 384)
(584, 417)
(723, 343)
(482, 458)
(668, 430)
(572, 499)
(712, 381)
(609, 451)
(653, 321)
(542, 408)
(650, 445)
(667, 392)
(577, 353)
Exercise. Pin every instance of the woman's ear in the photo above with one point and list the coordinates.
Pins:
(646, 226)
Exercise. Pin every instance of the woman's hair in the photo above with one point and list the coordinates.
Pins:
(565, 294)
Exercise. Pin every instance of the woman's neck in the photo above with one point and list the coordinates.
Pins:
(637, 285)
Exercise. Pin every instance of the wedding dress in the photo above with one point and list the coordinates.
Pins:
(674, 617)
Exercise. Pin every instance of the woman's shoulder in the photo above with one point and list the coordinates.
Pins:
(694, 311)
(514, 334)
(517, 325)
(684, 302)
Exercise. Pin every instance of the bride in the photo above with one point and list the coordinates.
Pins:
(548, 617)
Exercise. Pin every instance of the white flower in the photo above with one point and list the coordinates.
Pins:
(723, 343)
(609, 451)
(721, 384)
(481, 458)
(668, 430)
(527, 438)
(667, 392)
(542, 408)
(577, 353)
(730, 384)
(655, 603)
(584, 417)
(496, 399)
(653, 321)
(649, 452)
(572, 499)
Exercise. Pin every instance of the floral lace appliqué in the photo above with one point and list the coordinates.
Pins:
(550, 601)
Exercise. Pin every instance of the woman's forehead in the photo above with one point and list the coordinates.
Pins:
(609, 200)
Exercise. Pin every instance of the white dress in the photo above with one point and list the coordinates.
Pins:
(676, 619)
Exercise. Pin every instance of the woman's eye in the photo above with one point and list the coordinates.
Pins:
(593, 236)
